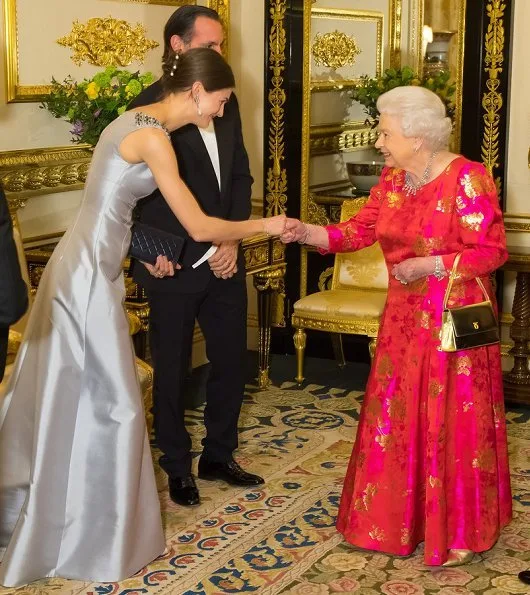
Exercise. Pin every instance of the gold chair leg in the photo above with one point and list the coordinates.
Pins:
(371, 347)
(299, 344)
(338, 352)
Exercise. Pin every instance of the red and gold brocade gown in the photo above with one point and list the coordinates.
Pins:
(430, 460)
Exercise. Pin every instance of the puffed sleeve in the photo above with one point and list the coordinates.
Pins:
(359, 231)
(480, 224)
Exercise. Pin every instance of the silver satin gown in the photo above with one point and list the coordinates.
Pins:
(78, 497)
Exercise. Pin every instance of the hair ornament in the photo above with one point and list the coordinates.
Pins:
(175, 64)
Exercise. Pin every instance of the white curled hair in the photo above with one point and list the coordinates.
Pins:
(421, 114)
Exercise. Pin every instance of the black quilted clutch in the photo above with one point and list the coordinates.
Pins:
(147, 243)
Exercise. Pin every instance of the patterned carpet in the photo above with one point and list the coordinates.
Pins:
(281, 538)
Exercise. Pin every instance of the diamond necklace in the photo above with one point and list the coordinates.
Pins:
(410, 186)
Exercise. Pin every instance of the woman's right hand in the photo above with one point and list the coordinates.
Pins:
(274, 226)
(295, 231)
(162, 268)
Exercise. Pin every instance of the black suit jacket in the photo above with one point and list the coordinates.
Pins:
(231, 202)
(13, 290)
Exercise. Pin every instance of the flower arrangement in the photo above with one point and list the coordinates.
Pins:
(368, 91)
(94, 103)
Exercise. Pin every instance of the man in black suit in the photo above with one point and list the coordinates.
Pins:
(13, 290)
(214, 164)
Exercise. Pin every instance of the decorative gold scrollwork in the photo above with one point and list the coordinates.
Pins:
(107, 42)
(316, 213)
(28, 173)
(335, 49)
(324, 280)
(270, 279)
(276, 197)
(492, 101)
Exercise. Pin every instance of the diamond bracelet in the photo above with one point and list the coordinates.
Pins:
(438, 272)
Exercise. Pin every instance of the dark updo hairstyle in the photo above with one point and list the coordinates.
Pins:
(182, 23)
(201, 65)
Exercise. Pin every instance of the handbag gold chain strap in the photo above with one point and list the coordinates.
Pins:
(452, 276)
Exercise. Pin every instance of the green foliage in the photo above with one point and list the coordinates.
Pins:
(368, 91)
(94, 103)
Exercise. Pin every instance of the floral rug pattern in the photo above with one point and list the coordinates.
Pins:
(281, 537)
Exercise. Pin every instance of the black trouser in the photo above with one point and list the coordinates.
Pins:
(221, 311)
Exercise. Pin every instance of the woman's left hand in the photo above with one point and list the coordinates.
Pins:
(162, 268)
(412, 269)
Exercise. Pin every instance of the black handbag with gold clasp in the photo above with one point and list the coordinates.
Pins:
(465, 327)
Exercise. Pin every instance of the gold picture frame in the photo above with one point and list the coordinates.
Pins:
(17, 93)
(356, 17)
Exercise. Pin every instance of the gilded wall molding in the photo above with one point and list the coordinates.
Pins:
(222, 7)
(306, 136)
(107, 42)
(395, 10)
(492, 100)
(316, 213)
(335, 49)
(341, 137)
(276, 185)
(35, 172)
(416, 15)
(516, 226)
(161, 2)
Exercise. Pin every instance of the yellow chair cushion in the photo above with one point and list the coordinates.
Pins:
(341, 303)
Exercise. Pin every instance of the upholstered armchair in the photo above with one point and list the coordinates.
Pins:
(352, 305)
(145, 372)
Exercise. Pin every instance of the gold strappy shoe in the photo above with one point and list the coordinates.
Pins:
(459, 557)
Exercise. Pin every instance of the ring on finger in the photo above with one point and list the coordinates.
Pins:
(402, 281)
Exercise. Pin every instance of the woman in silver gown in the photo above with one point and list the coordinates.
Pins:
(78, 497)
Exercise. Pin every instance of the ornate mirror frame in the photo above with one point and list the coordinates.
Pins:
(322, 208)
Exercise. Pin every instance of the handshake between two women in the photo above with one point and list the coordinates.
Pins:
(293, 230)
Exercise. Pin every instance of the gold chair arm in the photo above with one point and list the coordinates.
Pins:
(135, 324)
(13, 343)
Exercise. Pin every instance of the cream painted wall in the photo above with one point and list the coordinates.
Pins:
(518, 178)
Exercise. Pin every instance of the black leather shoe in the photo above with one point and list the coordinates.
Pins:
(183, 491)
(525, 577)
(228, 471)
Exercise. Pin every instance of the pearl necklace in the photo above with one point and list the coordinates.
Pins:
(412, 187)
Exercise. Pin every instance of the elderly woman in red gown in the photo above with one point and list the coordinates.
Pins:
(430, 460)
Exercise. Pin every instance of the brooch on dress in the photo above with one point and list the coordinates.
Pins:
(142, 119)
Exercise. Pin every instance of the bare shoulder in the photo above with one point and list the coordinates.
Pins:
(142, 142)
